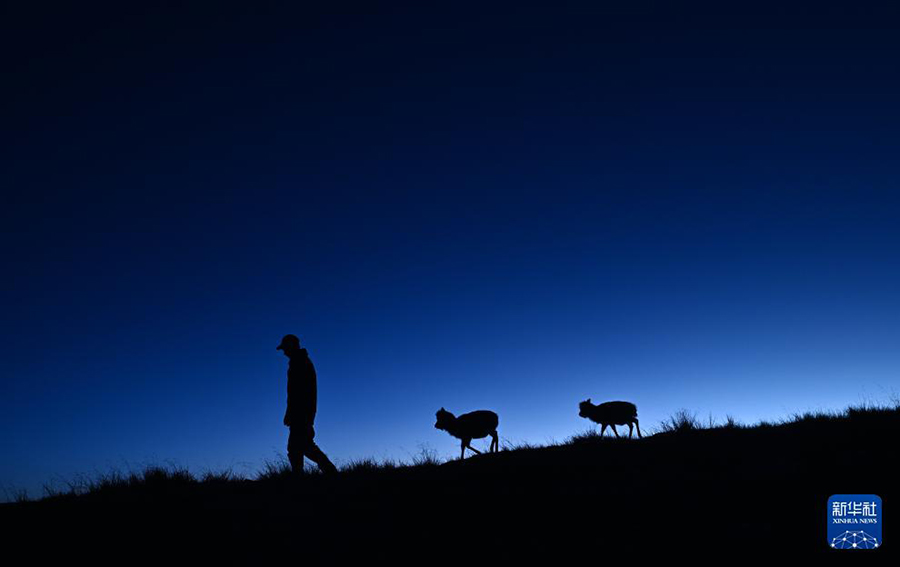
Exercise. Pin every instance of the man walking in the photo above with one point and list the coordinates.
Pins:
(301, 408)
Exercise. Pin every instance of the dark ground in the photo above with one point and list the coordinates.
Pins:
(760, 490)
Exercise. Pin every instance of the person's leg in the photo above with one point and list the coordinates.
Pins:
(314, 454)
(296, 442)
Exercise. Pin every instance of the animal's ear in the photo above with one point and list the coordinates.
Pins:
(588, 400)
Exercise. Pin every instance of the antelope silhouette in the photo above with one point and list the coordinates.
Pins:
(612, 414)
(468, 426)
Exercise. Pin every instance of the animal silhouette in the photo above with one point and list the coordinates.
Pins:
(468, 426)
(612, 414)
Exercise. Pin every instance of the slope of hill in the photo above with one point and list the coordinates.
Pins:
(688, 490)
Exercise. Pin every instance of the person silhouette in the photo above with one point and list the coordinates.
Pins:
(301, 408)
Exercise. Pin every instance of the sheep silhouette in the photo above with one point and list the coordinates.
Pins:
(612, 414)
(468, 426)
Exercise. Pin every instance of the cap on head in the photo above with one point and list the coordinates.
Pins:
(288, 341)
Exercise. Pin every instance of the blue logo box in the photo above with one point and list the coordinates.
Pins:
(854, 521)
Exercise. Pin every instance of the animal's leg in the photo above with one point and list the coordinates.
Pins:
(613, 425)
(602, 429)
(630, 430)
(495, 443)
(468, 441)
(638, 427)
(462, 454)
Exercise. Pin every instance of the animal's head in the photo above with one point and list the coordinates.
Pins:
(444, 418)
(584, 408)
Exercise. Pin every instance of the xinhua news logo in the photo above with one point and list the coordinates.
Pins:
(854, 521)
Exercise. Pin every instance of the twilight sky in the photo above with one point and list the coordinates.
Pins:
(686, 207)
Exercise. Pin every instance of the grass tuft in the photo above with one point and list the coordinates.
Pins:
(680, 422)
(426, 457)
(277, 469)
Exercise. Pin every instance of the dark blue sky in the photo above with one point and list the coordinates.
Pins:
(684, 207)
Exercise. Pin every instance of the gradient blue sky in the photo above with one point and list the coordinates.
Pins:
(692, 207)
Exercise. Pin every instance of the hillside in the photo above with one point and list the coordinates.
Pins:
(686, 490)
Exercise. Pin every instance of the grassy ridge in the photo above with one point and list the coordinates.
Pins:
(689, 486)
